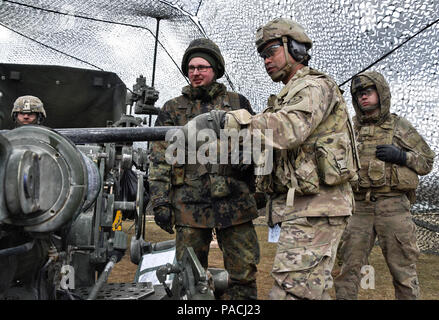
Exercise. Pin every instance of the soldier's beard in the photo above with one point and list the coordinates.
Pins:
(207, 93)
(200, 93)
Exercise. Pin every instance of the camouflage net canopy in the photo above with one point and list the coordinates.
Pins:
(397, 38)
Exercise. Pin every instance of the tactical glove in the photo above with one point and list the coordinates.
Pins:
(391, 153)
(163, 218)
(213, 120)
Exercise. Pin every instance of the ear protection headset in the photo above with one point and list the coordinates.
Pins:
(297, 50)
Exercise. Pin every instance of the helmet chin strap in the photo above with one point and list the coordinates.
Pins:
(288, 67)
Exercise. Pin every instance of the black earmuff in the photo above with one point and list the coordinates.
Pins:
(297, 50)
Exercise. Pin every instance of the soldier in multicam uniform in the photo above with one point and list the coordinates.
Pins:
(28, 110)
(392, 155)
(199, 198)
(314, 160)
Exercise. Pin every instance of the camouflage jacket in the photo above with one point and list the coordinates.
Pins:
(388, 128)
(307, 116)
(188, 188)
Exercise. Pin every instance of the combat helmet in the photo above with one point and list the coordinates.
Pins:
(208, 47)
(293, 38)
(361, 82)
(29, 104)
(278, 28)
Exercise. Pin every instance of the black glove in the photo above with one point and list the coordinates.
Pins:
(391, 153)
(163, 218)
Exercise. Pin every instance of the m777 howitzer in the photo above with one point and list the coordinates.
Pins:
(60, 215)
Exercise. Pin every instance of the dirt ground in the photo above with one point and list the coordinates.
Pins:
(428, 272)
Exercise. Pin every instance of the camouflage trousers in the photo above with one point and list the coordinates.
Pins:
(240, 248)
(388, 218)
(305, 256)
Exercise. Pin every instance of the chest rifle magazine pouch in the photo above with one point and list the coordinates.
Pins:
(377, 173)
(334, 159)
(306, 173)
(403, 178)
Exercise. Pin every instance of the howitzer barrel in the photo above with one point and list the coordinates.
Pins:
(116, 134)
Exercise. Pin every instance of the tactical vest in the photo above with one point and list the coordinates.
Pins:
(327, 156)
(377, 175)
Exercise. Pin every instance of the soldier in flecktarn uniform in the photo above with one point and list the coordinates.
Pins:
(392, 155)
(198, 198)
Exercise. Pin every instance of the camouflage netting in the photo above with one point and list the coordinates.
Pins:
(398, 38)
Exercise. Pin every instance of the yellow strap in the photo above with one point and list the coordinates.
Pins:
(117, 223)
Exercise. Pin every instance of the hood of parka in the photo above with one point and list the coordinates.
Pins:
(383, 90)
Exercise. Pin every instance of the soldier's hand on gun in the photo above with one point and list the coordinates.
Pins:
(213, 120)
(391, 153)
(163, 218)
